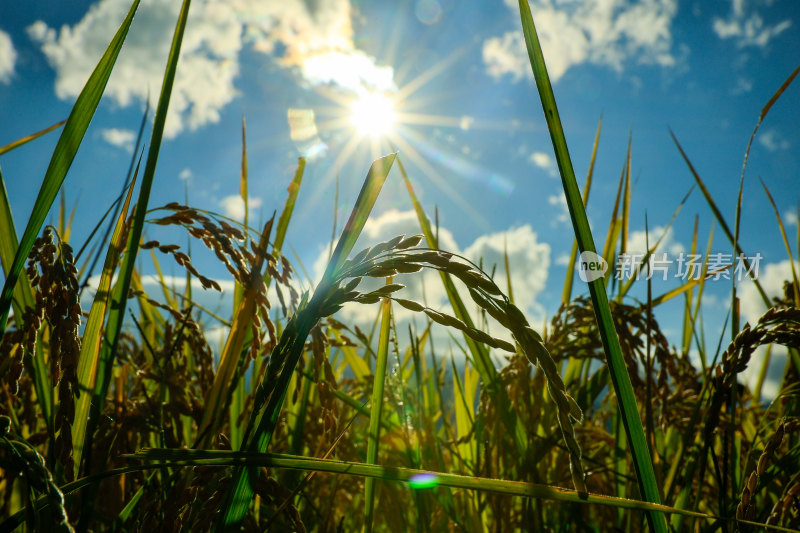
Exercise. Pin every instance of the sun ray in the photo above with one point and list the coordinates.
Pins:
(414, 85)
(410, 153)
(344, 154)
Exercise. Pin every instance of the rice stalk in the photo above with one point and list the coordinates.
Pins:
(327, 299)
(619, 375)
(376, 406)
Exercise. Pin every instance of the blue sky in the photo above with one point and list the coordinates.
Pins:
(468, 122)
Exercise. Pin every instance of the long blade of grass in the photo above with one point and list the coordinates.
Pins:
(89, 357)
(358, 217)
(390, 473)
(566, 295)
(376, 408)
(66, 148)
(28, 138)
(289, 350)
(626, 199)
(180, 458)
(23, 293)
(244, 173)
(619, 374)
(288, 208)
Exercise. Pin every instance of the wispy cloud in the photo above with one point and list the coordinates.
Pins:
(747, 27)
(573, 32)
(120, 138)
(638, 241)
(8, 56)
(772, 140)
(563, 210)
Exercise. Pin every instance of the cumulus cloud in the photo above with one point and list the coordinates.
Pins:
(207, 67)
(790, 218)
(120, 138)
(528, 261)
(771, 276)
(314, 39)
(572, 32)
(747, 27)
(772, 140)
(8, 56)
(233, 205)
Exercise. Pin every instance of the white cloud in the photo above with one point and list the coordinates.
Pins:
(207, 66)
(233, 205)
(637, 244)
(120, 138)
(774, 376)
(545, 162)
(8, 57)
(315, 39)
(772, 140)
(528, 259)
(771, 277)
(790, 218)
(747, 26)
(572, 32)
(185, 174)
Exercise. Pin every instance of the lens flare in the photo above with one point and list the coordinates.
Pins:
(423, 481)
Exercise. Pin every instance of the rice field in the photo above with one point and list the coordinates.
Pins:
(124, 417)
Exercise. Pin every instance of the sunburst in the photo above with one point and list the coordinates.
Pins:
(388, 121)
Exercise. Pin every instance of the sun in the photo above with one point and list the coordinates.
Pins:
(372, 114)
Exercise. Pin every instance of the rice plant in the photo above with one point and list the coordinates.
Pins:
(121, 417)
